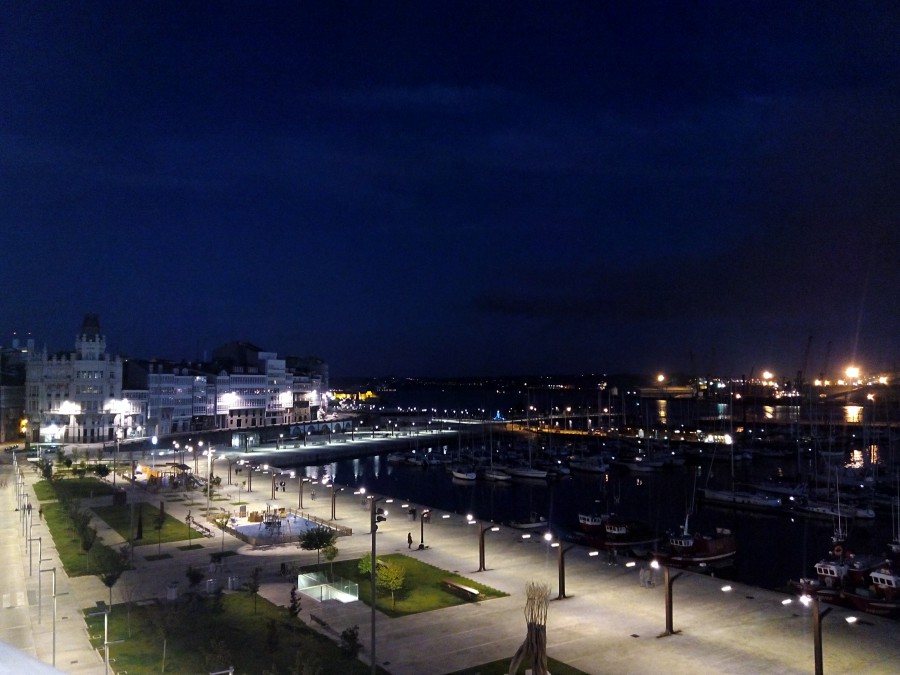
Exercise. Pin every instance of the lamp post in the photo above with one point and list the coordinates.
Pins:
(40, 553)
(426, 515)
(817, 615)
(333, 502)
(303, 480)
(116, 458)
(131, 516)
(484, 530)
(196, 451)
(561, 568)
(668, 580)
(53, 570)
(209, 459)
(374, 528)
(106, 642)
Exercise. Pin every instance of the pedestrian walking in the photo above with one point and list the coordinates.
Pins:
(409, 540)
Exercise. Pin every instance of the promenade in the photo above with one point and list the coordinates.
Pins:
(608, 623)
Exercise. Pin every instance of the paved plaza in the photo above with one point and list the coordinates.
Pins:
(609, 623)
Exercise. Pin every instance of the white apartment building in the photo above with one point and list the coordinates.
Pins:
(253, 392)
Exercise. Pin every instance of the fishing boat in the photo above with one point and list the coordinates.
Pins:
(612, 533)
(846, 578)
(881, 597)
(686, 549)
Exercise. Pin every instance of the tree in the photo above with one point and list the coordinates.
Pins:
(102, 470)
(330, 552)
(111, 565)
(391, 576)
(167, 619)
(365, 564)
(88, 536)
(253, 585)
(295, 607)
(317, 539)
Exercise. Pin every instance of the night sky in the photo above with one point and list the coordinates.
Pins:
(453, 188)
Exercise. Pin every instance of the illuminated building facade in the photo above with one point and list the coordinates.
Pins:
(76, 397)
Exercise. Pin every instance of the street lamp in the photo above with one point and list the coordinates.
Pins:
(817, 615)
(561, 568)
(484, 530)
(53, 571)
(426, 515)
(132, 498)
(106, 642)
(333, 502)
(303, 480)
(668, 580)
(116, 458)
(209, 459)
(374, 528)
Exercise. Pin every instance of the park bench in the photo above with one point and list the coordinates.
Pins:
(467, 591)
(202, 529)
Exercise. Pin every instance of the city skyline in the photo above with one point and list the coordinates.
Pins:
(467, 189)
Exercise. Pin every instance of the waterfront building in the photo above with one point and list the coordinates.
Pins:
(242, 387)
(91, 396)
(76, 397)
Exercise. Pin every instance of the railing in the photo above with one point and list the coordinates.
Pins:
(340, 529)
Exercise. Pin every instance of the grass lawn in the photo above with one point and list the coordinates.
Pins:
(502, 668)
(207, 634)
(119, 519)
(423, 590)
(68, 545)
(72, 488)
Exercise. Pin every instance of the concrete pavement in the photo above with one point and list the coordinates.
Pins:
(608, 624)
